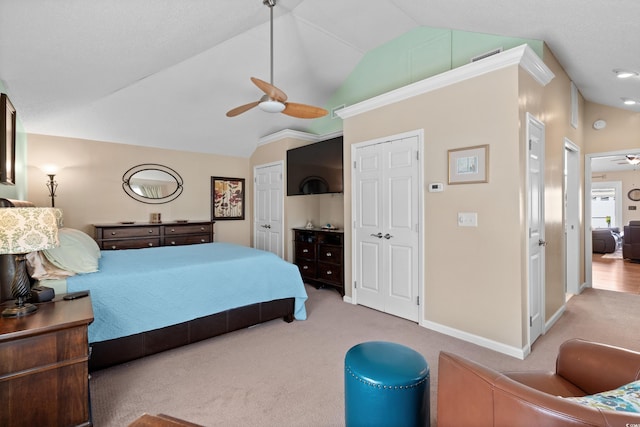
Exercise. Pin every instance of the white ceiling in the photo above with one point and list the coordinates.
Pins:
(162, 73)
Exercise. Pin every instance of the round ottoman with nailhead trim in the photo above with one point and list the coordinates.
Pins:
(385, 384)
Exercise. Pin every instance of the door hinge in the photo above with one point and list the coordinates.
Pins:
(418, 300)
(530, 321)
(530, 143)
(354, 164)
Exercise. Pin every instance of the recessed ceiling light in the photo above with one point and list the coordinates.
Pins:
(629, 101)
(625, 74)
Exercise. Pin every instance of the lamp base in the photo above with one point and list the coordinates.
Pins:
(19, 310)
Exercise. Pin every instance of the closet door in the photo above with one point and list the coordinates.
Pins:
(386, 227)
(268, 207)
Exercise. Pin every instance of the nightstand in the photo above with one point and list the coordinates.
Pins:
(44, 373)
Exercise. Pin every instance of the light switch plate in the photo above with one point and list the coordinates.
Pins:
(467, 219)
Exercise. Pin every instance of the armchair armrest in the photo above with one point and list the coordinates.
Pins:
(595, 367)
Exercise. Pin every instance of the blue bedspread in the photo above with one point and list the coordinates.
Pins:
(137, 290)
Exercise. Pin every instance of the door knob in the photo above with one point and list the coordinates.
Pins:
(388, 236)
(379, 235)
(542, 242)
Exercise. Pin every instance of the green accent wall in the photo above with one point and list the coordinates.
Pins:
(19, 190)
(421, 53)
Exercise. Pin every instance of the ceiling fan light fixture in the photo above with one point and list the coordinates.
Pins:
(633, 159)
(271, 106)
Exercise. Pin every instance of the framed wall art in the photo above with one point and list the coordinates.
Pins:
(469, 165)
(227, 198)
(7, 141)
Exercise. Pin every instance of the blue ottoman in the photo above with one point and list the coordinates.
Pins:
(385, 384)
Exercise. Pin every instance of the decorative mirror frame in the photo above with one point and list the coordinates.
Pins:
(7, 141)
(126, 178)
(634, 194)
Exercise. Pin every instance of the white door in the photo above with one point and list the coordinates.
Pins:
(572, 217)
(535, 172)
(387, 258)
(268, 208)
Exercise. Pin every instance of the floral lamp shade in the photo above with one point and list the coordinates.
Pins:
(24, 230)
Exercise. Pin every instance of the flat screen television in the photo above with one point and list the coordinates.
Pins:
(315, 168)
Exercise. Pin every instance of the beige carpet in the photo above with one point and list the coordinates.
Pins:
(280, 374)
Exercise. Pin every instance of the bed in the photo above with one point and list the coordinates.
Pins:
(154, 299)
(150, 300)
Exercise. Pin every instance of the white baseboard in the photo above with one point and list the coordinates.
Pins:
(347, 299)
(556, 316)
(519, 353)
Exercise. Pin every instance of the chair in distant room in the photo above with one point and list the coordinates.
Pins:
(631, 243)
(603, 241)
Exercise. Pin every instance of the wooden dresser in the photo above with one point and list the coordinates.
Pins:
(145, 235)
(44, 373)
(319, 256)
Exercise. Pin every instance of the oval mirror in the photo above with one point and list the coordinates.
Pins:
(152, 183)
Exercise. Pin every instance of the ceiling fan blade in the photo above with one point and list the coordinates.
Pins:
(272, 91)
(241, 109)
(303, 111)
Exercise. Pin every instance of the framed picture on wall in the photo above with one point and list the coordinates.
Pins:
(227, 198)
(7, 141)
(469, 165)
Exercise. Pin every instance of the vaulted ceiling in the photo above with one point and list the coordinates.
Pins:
(162, 73)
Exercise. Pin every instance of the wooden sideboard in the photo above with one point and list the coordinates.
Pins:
(319, 256)
(44, 373)
(145, 235)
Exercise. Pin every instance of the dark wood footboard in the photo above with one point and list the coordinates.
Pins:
(125, 349)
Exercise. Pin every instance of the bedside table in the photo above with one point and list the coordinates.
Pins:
(44, 373)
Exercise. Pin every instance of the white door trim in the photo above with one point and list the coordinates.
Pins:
(572, 216)
(279, 163)
(419, 133)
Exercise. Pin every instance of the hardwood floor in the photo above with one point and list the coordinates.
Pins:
(615, 274)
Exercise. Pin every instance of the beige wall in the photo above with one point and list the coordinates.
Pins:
(90, 183)
(473, 279)
(622, 131)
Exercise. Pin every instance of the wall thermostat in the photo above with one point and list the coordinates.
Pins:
(436, 187)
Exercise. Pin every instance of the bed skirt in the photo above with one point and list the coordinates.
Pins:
(112, 352)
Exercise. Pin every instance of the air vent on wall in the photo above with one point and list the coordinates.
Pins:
(486, 54)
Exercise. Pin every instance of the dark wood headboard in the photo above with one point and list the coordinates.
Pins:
(7, 262)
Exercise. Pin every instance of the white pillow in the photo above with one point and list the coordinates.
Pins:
(77, 252)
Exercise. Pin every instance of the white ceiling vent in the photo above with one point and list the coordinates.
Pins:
(486, 54)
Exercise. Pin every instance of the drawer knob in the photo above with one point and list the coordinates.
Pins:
(150, 230)
(328, 253)
(203, 240)
(113, 233)
(150, 244)
(306, 267)
(304, 251)
(173, 243)
(114, 247)
(173, 230)
(201, 228)
(329, 273)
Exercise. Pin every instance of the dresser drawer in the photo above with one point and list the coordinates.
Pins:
(20, 356)
(329, 253)
(122, 232)
(187, 240)
(305, 250)
(130, 243)
(330, 272)
(307, 269)
(187, 229)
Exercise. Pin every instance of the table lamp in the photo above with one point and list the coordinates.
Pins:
(24, 230)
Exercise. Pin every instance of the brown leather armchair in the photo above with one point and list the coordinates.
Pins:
(470, 394)
(631, 242)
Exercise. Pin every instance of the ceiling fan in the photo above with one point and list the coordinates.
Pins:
(633, 159)
(274, 99)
